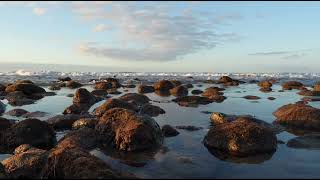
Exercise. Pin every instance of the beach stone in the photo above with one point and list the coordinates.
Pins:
(73, 84)
(64, 122)
(151, 110)
(27, 162)
(85, 122)
(145, 89)
(291, 85)
(241, 137)
(54, 87)
(169, 131)
(271, 98)
(298, 115)
(192, 100)
(196, 92)
(103, 85)
(179, 91)
(163, 85)
(125, 130)
(135, 98)
(63, 79)
(176, 82)
(26, 88)
(30, 131)
(114, 103)
(34, 114)
(250, 97)
(100, 93)
(265, 84)
(18, 98)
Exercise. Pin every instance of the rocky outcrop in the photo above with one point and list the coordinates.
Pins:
(128, 131)
(241, 137)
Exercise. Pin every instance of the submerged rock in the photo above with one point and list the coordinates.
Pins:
(241, 138)
(251, 97)
(125, 130)
(151, 110)
(145, 89)
(169, 131)
(114, 103)
(30, 131)
(189, 128)
(163, 85)
(192, 100)
(271, 98)
(298, 115)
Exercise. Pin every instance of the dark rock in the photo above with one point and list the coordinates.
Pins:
(26, 88)
(103, 85)
(54, 87)
(100, 93)
(63, 122)
(162, 93)
(163, 85)
(169, 131)
(114, 103)
(73, 84)
(179, 91)
(135, 98)
(271, 98)
(309, 93)
(251, 97)
(128, 131)
(189, 128)
(291, 85)
(241, 138)
(84, 122)
(265, 84)
(192, 100)
(298, 115)
(151, 110)
(5, 123)
(77, 108)
(30, 131)
(70, 95)
(35, 114)
(23, 81)
(317, 87)
(196, 92)
(2, 108)
(83, 96)
(63, 79)
(266, 90)
(2, 87)
(225, 79)
(113, 91)
(188, 85)
(18, 98)
(176, 83)
(145, 89)
(129, 86)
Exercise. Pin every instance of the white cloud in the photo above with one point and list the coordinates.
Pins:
(39, 11)
(100, 28)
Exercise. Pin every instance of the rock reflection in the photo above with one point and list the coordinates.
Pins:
(310, 141)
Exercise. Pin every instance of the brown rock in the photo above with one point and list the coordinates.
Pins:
(241, 138)
(176, 83)
(192, 100)
(169, 131)
(196, 92)
(114, 103)
(266, 90)
(73, 84)
(18, 98)
(100, 93)
(26, 88)
(135, 98)
(309, 93)
(265, 84)
(83, 96)
(151, 110)
(179, 91)
(5, 123)
(113, 91)
(316, 87)
(145, 89)
(35, 114)
(291, 85)
(84, 122)
(54, 87)
(163, 85)
(128, 131)
(77, 108)
(129, 86)
(225, 79)
(212, 92)
(63, 79)
(103, 85)
(63, 122)
(251, 97)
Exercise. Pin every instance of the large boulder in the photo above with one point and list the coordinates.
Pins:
(163, 85)
(176, 82)
(241, 137)
(128, 131)
(30, 131)
(27, 162)
(300, 116)
(18, 98)
(26, 88)
(192, 100)
(179, 91)
(135, 98)
(114, 103)
(145, 89)
(292, 85)
(73, 84)
(83, 96)
(151, 110)
(64, 122)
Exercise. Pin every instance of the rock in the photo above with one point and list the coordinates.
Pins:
(113, 91)
(196, 92)
(83, 96)
(188, 85)
(225, 79)
(18, 98)
(179, 91)
(241, 138)
(2, 108)
(103, 85)
(251, 97)
(5, 124)
(169, 131)
(233, 83)
(310, 141)
(145, 89)
(162, 93)
(189, 128)
(192, 100)
(2, 87)
(176, 83)
(163, 85)
(70, 95)
(35, 114)
(30, 131)
(77, 108)
(309, 99)
(151, 110)
(114, 103)
(210, 81)
(26, 88)
(23, 81)
(63, 79)
(115, 82)
(84, 122)
(125, 130)
(129, 86)
(135, 98)
(316, 87)
(73, 84)
(271, 98)
(266, 90)
(50, 94)
(54, 87)
(3, 174)
(281, 91)
(27, 163)
(291, 85)
(100, 93)
(309, 93)
(212, 92)
(253, 81)
(298, 115)
(265, 84)
(64, 122)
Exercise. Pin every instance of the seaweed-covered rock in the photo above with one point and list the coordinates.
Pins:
(126, 130)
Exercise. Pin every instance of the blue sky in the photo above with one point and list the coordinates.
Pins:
(164, 36)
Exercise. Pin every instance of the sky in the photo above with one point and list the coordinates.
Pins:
(188, 36)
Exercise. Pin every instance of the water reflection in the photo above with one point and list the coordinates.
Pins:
(311, 141)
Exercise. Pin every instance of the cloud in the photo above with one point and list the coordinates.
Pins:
(39, 11)
(153, 32)
(284, 54)
(100, 28)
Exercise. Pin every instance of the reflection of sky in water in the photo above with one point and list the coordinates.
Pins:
(188, 158)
